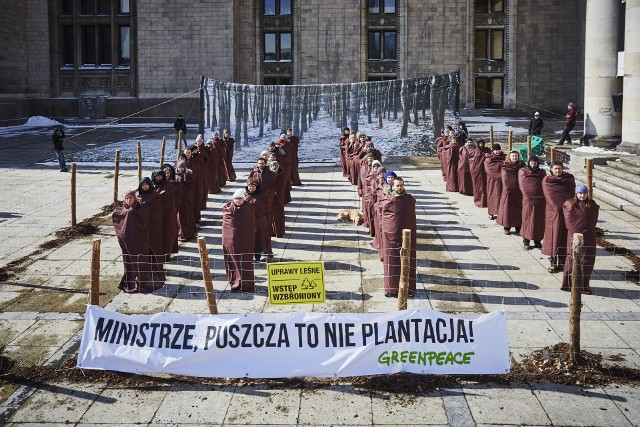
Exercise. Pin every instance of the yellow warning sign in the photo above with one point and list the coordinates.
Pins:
(296, 282)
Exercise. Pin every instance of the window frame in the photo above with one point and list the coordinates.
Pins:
(278, 36)
(277, 7)
(382, 36)
(381, 7)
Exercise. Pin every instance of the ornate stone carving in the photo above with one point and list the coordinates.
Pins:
(123, 82)
(277, 23)
(382, 68)
(67, 82)
(277, 68)
(490, 19)
(489, 67)
(380, 20)
(95, 82)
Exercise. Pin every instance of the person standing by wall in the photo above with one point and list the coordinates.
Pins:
(180, 125)
(535, 125)
(570, 122)
(58, 139)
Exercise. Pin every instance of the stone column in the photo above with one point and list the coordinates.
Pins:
(631, 98)
(600, 69)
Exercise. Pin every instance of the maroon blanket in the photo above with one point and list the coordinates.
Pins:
(186, 220)
(533, 203)
(557, 190)
(166, 190)
(440, 144)
(344, 141)
(260, 199)
(451, 154)
(492, 168)
(510, 209)
(238, 242)
(397, 213)
(478, 176)
(212, 170)
(131, 227)
(277, 207)
(294, 143)
(218, 144)
(153, 203)
(465, 184)
(230, 172)
(579, 218)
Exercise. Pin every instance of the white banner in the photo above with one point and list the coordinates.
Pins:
(278, 345)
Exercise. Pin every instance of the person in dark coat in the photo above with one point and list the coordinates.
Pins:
(535, 125)
(570, 121)
(166, 190)
(557, 188)
(212, 168)
(442, 142)
(180, 125)
(398, 212)
(201, 152)
(238, 242)
(533, 203)
(170, 178)
(465, 184)
(451, 155)
(510, 209)
(229, 145)
(260, 199)
(277, 202)
(266, 180)
(344, 141)
(580, 216)
(152, 201)
(493, 170)
(294, 143)
(58, 148)
(131, 222)
(186, 220)
(222, 162)
(476, 156)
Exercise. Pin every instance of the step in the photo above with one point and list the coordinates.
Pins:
(618, 187)
(628, 163)
(621, 170)
(624, 183)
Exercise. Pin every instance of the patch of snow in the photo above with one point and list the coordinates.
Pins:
(599, 150)
(39, 121)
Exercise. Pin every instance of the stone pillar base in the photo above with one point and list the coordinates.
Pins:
(600, 141)
(629, 147)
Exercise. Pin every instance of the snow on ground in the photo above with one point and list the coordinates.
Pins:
(599, 150)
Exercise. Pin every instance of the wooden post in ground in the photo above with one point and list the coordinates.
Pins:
(552, 155)
(164, 142)
(139, 163)
(491, 136)
(206, 274)
(405, 269)
(116, 172)
(94, 292)
(179, 144)
(528, 148)
(510, 141)
(589, 177)
(73, 194)
(577, 279)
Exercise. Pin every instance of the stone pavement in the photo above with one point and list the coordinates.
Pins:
(465, 265)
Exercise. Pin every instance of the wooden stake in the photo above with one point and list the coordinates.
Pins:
(94, 292)
(73, 194)
(405, 269)
(510, 141)
(164, 142)
(491, 136)
(589, 177)
(179, 144)
(552, 155)
(528, 147)
(206, 274)
(139, 163)
(577, 279)
(116, 173)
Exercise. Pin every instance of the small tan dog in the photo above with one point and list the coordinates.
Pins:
(352, 215)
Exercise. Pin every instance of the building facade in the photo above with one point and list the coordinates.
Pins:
(144, 59)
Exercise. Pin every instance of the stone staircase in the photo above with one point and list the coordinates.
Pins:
(616, 182)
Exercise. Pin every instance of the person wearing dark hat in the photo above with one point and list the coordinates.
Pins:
(533, 203)
(277, 201)
(166, 190)
(186, 220)
(213, 185)
(219, 146)
(493, 170)
(510, 209)
(344, 142)
(152, 201)
(580, 216)
(570, 122)
(476, 156)
(535, 124)
(451, 154)
(260, 199)
(131, 225)
(294, 143)
(180, 125)
(229, 145)
(557, 188)
(58, 139)
(238, 242)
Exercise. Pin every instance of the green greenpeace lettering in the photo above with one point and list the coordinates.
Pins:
(425, 357)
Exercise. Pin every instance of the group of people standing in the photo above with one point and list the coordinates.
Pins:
(386, 207)
(255, 214)
(166, 208)
(519, 196)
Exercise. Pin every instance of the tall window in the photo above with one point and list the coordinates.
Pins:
(277, 7)
(382, 45)
(277, 46)
(489, 6)
(382, 6)
(489, 44)
(489, 92)
(89, 25)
